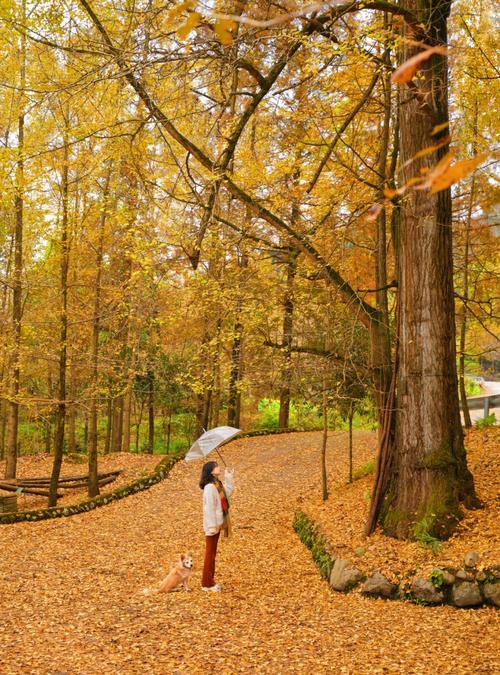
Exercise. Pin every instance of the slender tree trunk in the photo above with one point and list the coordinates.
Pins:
(214, 412)
(151, 412)
(351, 413)
(286, 372)
(169, 430)
(86, 432)
(49, 417)
(127, 404)
(72, 409)
(463, 314)
(13, 404)
(234, 394)
(117, 424)
(324, 442)
(138, 426)
(93, 483)
(3, 427)
(381, 335)
(429, 475)
(109, 421)
(63, 349)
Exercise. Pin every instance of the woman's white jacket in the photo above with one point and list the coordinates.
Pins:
(212, 506)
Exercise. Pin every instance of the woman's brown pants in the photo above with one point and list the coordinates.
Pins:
(207, 579)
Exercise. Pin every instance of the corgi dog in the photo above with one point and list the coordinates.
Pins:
(178, 575)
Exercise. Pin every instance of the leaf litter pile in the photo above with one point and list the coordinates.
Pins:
(72, 600)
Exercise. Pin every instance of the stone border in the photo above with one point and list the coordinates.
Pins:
(467, 587)
(160, 472)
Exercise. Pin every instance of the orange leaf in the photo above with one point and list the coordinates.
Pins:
(407, 70)
(222, 30)
(439, 127)
(435, 172)
(456, 172)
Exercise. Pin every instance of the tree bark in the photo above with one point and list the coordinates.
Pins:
(286, 369)
(351, 413)
(465, 290)
(324, 442)
(93, 483)
(151, 412)
(72, 408)
(13, 403)
(63, 339)
(109, 421)
(429, 475)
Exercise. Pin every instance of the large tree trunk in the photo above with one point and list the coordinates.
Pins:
(429, 475)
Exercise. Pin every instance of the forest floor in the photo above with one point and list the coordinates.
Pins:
(71, 598)
(341, 519)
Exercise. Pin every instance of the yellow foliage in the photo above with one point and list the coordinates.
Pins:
(193, 20)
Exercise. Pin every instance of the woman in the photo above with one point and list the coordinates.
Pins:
(215, 516)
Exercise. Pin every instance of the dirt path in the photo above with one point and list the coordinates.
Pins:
(71, 601)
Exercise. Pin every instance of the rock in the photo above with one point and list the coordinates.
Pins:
(471, 559)
(466, 594)
(378, 585)
(423, 589)
(492, 594)
(361, 550)
(344, 576)
(464, 576)
(481, 576)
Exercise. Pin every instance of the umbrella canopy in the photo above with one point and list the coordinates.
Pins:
(210, 440)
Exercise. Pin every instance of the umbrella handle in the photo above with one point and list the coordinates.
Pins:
(217, 451)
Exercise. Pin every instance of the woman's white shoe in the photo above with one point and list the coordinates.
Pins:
(215, 588)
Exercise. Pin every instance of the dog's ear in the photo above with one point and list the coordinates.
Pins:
(183, 557)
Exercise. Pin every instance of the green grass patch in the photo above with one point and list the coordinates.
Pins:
(364, 470)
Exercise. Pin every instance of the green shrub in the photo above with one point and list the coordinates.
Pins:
(472, 388)
(486, 422)
(437, 580)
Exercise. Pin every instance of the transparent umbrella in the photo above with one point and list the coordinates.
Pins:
(211, 440)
